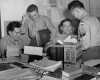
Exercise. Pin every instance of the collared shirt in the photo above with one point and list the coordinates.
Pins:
(30, 26)
(7, 41)
(89, 28)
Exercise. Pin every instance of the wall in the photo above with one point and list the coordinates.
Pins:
(92, 6)
(10, 10)
(87, 5)
(95, 7)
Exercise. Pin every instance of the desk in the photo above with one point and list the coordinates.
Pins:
(19, 73)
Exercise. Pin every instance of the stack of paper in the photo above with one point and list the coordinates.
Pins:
(71, 70)
(69, 39)
(48, 65)
(33, 50)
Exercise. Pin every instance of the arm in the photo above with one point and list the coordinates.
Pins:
(27, 28)
(51, 28)
(84, 31)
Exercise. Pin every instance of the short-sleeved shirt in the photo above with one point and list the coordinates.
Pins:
(90, 29)
(7, 41)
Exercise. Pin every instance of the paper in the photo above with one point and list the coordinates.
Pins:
(48, 65)
(59, 41)
(12, 51)
(69, 39)
(33, 50)
(92, 62)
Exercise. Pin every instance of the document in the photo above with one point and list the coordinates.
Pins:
(33, 50)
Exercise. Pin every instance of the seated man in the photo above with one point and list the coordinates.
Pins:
(13, 40)
(65, 30)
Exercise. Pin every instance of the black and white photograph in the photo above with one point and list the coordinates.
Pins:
(49, 39)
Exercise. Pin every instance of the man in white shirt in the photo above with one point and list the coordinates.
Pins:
(14, 40)
(89, 30)
(33, 22)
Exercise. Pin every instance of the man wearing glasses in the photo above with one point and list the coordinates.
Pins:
(13, 39)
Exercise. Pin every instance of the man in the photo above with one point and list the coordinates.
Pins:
(75, 22)
(13, 40)
(33, 22)
(89, 30)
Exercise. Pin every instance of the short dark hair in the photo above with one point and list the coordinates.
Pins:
(12, 25)
(32, 8)
(75, 4)
(61, 24)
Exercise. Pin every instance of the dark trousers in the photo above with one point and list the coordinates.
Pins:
(92, 53)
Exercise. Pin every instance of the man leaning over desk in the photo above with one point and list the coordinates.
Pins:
(89, 30)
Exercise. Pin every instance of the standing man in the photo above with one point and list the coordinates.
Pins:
(89, 30)
(33, 22)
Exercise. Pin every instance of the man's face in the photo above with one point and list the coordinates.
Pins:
(77, 13)
(15, 34)
(33, 14)
(67, 28)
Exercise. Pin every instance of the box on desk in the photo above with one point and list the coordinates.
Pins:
(72, 52)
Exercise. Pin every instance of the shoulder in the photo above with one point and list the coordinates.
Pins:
(26, 19)
(44, 17)
(91, 19)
